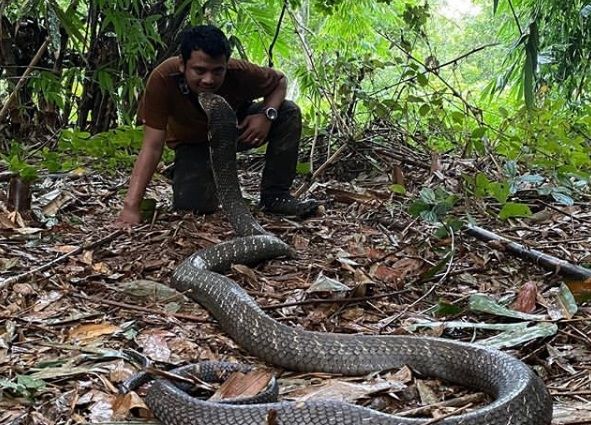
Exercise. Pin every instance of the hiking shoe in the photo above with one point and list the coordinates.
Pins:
(285, 204)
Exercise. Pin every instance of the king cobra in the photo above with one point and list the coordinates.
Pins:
(519, 396)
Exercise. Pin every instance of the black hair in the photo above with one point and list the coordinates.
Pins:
(208, 38)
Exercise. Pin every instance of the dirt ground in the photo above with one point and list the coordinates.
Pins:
(364, 266)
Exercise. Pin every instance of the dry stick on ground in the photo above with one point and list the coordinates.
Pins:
(304, 187)
(460, 401)
(20, 277)
(549, 262)
(336, 300)
(23, 78)
(139, 308)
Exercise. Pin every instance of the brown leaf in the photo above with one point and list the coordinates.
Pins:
(300, 243)
(246, 272)
(64, 249)
(384, 273)
(92, 331)
(398, 175)
(526, 299)
(243, 385)
(123, 404)
(154, 345)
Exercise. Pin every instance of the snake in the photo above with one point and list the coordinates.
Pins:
(519, 396)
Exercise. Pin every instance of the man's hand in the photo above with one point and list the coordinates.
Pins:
(254, 130)
(128, 217)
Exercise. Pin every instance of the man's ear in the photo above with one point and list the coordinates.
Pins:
(181, 65)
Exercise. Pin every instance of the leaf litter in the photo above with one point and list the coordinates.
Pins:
(365, 266)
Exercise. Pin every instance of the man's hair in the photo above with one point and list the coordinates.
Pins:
(208, 38)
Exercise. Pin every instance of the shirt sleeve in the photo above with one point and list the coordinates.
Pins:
(256, 81)
(154, 107)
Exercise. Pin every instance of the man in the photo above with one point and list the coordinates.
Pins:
(171, 116)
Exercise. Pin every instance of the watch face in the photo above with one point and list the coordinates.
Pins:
(271, 113)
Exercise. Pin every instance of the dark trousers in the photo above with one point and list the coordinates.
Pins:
(193, 184)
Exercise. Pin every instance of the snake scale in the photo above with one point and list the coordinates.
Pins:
(519, 395)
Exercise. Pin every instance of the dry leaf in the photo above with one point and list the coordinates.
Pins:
(87, 257)
(300, 243)
(526, 299)
(384, 273)
(64, 249)
(154, 345)
(123, 404)
(243, 385)
(92, 331)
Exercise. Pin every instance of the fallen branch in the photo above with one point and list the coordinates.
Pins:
(20, 277)
(549, 262)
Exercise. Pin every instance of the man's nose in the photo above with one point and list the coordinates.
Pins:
(207, 78)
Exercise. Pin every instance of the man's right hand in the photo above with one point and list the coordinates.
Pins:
(128, 217)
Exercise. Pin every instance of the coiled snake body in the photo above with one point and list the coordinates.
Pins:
(520, 397)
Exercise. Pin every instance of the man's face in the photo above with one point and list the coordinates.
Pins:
(204, 73)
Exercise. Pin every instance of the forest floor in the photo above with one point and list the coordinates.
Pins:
(364, 265)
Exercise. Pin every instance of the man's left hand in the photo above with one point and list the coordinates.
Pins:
(254, 130)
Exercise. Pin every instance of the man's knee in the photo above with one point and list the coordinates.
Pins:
(290, 109)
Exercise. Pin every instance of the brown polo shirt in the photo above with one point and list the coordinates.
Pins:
(164, 107)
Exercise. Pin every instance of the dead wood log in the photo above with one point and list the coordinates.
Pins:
(557, 265)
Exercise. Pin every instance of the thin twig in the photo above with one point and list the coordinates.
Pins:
(19, 277)
(335, 300)
(304, 187)
(21, 82)
(277, 30)
(470, 398)
(139, 308)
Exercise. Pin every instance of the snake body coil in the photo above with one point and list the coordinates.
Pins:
(520, 397)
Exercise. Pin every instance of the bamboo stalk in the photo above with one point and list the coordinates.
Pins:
(546, 261)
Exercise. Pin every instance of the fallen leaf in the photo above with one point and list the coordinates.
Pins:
(92, 331)
(243, 385)
(123, 404)
(246, 272)
(64, 249)
(326, 284)
(526, 299)
(154, 345)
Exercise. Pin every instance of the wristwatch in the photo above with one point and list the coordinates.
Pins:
(271, 113)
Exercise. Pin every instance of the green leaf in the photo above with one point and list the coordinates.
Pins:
(485, 304)
(429, 216)
(481, 185)
(514, 209)
(563, 199)
(30, 383)
(500, 191)
(424, 109)
(427, 195)
(422, 80)
(478, 132)
(303, 168)
(417, 207)
(445, 308)
(458, 117)
(397, 188)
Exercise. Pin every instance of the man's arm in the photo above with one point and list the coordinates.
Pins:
(255, 128)
(143, 170)
(277, 96)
